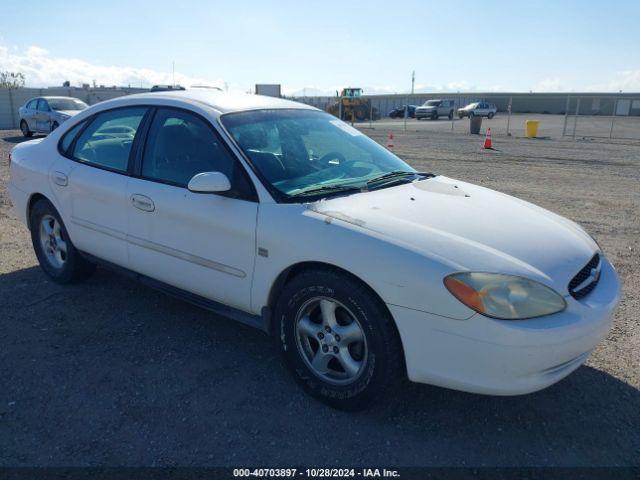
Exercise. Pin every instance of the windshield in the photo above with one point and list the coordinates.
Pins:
(305, 150)
(432, 103)
(471, 105)
(66, 104)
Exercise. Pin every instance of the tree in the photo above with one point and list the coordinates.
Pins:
(11, 79)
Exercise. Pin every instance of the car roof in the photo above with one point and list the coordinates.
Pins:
(221, 101)
(53, 97)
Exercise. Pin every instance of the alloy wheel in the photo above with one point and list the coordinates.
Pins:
(331, 340)
(52, 241)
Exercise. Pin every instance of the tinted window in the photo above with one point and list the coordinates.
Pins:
(33, 104)
(180, 145)
(107, 141)
(67, 104)
(43, 106)
(67, 140)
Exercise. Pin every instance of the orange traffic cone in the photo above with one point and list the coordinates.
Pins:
(487, 140)
(390, 141)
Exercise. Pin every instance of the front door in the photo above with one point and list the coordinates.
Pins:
(200, 242)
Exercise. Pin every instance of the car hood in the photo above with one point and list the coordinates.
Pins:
(468, 227)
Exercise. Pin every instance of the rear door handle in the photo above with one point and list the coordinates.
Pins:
(60, 178)
(142, 202)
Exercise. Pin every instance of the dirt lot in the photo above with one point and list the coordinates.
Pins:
(112, 373)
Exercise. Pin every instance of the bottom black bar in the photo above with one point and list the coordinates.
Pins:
(404, 473)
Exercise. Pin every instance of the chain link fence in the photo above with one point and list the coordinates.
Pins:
(615, 116)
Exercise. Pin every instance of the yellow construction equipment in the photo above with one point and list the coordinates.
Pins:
(351, 105)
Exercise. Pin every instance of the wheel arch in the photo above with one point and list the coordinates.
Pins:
(290, 272)
(35, 198)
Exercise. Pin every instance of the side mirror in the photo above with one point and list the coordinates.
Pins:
(209, 182)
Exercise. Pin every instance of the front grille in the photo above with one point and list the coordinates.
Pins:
(577, 286)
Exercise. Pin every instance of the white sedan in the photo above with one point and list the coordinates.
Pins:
(287, 219)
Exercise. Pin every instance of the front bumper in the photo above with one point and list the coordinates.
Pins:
(506, 357)
(425, 113)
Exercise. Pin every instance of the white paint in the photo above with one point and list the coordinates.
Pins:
(401, 241)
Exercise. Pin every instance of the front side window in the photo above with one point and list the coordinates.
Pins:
(180, 145)
(107, 141)
(43, 106)
(298, 151)
(32, 105)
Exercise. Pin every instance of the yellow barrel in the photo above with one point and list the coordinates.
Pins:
(532, 128)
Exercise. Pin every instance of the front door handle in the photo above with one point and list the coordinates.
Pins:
(60, 178)
(142, 202)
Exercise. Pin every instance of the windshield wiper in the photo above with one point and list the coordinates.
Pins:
(327, 189)
(396, 176)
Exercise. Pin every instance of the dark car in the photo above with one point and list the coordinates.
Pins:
(398, 112)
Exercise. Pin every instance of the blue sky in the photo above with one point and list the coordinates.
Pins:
(323, 45)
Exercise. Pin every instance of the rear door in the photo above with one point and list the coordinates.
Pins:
(30, 111)
(42, 116)
(203, 243)
(90, 181)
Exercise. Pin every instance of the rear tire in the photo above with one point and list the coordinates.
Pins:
(338, 339)
(56, 253)
(24, 127)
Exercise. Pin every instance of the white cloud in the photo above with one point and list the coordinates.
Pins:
(549, 85)
(626, 80)
(41, 69)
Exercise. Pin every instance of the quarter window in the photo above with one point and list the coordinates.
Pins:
(67, 140)
(107, 141)
(181, 145)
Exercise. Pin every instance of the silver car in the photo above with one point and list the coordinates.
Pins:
(436, 108)
(478, 109)
(45, 114)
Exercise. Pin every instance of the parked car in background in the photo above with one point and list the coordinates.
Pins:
(287, 219)
(45, 114)
(398, 112)
(434, 109)
(478, 109)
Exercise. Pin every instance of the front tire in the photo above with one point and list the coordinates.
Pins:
(338, 339)
(24, 127)
(490, 115)
(56, 253)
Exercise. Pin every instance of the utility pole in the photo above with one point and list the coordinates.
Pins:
(173, 73)
(413, 80)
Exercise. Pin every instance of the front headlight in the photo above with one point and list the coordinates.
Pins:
(506, 297)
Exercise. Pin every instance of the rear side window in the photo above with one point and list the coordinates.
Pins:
(68, 137)
(181, 145)
(107, 141)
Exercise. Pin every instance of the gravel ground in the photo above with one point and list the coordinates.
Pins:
(110, 372)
